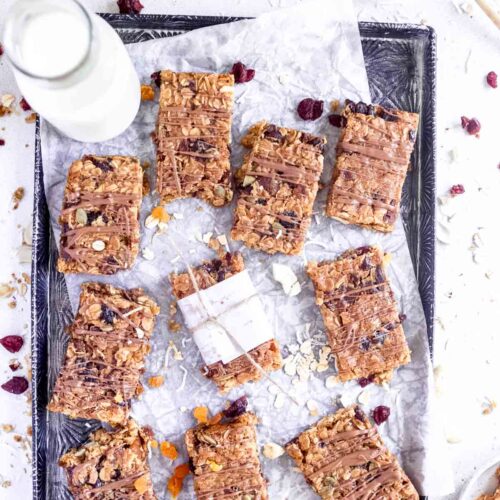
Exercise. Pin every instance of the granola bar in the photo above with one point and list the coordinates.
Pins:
(277, 184)
(100, 215)
(360, 314)
(225, 460)
(193, 137)
(343, 456)
(109, 340)
(373, 156)
(111, 465)
(239, 370)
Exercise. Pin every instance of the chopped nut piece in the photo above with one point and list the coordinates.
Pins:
(272, 450)
(17, 197)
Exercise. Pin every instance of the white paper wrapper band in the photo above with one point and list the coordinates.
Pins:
(231, 305)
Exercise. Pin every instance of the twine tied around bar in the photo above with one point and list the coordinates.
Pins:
(232, 338)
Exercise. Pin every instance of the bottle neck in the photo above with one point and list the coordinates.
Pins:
(50, 41)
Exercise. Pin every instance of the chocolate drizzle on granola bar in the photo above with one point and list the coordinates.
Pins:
(343, 456)
(373, 157)
(193, 136)
(360, 314)
(278, 184)
(100, 224)
(105, 356)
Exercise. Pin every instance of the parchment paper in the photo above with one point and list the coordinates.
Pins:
(312, 50)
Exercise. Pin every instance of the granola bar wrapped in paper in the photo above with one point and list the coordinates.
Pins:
(312, 50)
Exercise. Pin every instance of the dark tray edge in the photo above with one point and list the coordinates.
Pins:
(41, 229)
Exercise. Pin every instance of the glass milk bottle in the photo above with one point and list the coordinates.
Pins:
(72, 68)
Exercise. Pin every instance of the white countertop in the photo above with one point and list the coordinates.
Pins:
(467, 338)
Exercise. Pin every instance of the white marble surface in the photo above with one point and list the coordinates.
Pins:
(467, 298)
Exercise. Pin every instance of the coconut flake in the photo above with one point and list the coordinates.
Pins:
(272, 450)
(279, 402)
(331, 381)
(148, 253)
(284, 274)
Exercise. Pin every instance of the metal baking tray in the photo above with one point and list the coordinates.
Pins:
(401, 64)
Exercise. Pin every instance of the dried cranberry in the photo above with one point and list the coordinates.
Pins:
(16, 385)
(24, 104)
(12, 343)
(107, 315)
(457, 189)
(351, 105)
(270, 185)
(364, 381)
(130, 6)
(365, 344)
(198, 146)
(381, 414)
(472, 126)
(1, 49)
(366, 264)
(236, 408)
(491, 79)
(156, 77)
(310, 109)
(388, 117)
(402, 317)
(362, 108)
(288, 224)
(272, 132)
(242, 73)
(92, 216)
(337, 120)
(362, 250)
(14, 365)
(105, 165)
(358, 413)
(379, 275)
(261, 201)
(2, 142)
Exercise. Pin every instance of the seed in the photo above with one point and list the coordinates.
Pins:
(248, 180)
(220, 191)
(81, 216)
(98, 245)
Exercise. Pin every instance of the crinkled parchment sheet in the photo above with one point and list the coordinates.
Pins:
(313, 50)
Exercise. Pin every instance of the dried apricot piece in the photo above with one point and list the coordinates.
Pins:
(174, 485)
(147, 93)
(141, 484)
(156, 381)
(168, 450)
(214, 466)
(182, 470)
(200, 413)
(160, 213)
(153, 443)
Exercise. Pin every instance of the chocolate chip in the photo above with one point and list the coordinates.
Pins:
(107, 315)
(272, 132)
(236, 408)
(288, 224)
(365, 344)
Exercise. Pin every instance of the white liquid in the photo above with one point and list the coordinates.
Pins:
(52, 44)
(100, 99)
